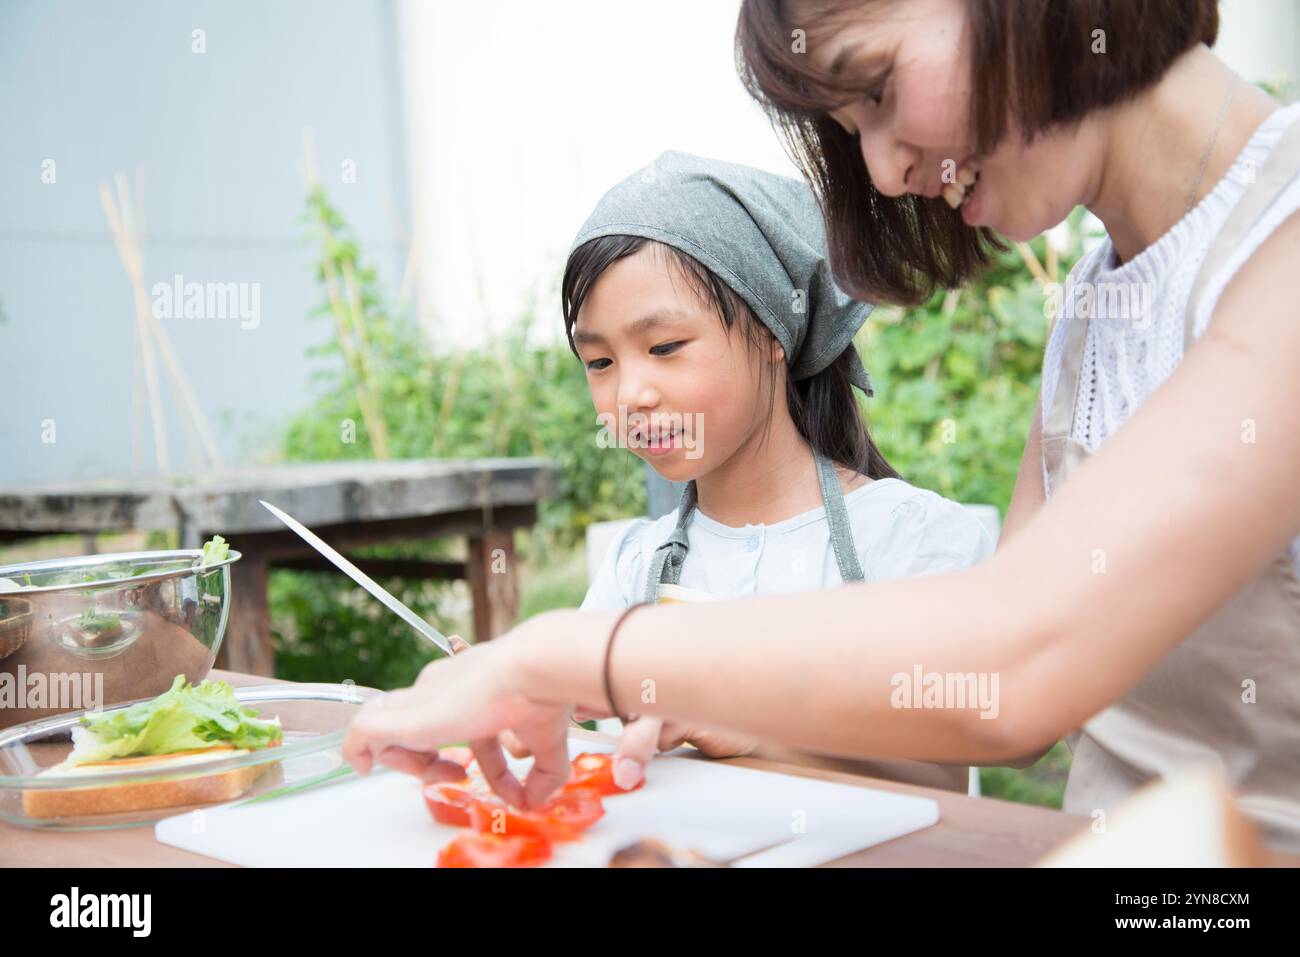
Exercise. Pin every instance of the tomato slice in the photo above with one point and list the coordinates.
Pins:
(449, 804)
(563, 818)
(569, 813)
(495, 850)
(596, 772)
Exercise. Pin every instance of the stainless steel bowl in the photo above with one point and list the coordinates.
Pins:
(103, 629)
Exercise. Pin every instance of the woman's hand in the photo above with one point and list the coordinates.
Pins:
(473, 696)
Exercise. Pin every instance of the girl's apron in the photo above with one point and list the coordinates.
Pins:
(1229, 694)
(666, 565)
(666, 570)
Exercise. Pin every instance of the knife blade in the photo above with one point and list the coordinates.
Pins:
(362, 579)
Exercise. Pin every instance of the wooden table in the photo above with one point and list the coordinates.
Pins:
(349, 504)
(972, 832)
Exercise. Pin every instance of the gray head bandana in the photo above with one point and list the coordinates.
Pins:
(760, 233)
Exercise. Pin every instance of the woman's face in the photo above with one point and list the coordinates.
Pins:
(661, 365)
(916, 122)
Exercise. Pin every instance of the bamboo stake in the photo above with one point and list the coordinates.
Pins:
(1031, 261)
(449, 393)
(358, 367)
(189, 401)
(137, 381)
(411, 269)
(150, 370)
(130, 233)
(358, 321)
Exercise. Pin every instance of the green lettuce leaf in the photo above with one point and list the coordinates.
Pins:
(216, 549)
(183, 718)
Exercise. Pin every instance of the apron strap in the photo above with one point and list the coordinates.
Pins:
(837, 517)
(1059, 421)
(1277, 172)
(668, 559)
(666, 564)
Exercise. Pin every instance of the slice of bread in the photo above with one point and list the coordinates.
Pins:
(1186, 820)
(83, 799)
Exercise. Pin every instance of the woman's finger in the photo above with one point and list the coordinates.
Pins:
(499, 776)
(398, 719)
(429, 768)
(512, 744)
(551, 768)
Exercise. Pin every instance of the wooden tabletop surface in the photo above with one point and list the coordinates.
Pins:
(315, 493)
(972, 832)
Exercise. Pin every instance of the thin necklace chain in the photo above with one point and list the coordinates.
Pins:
(1214, 138)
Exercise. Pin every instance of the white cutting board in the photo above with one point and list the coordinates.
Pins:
(721, 811)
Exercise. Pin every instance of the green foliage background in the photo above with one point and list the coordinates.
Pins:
(511, 397)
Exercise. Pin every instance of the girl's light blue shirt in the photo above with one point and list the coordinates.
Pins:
(899, 530)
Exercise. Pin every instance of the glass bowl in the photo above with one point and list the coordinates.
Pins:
(314, 718)
(89, 632)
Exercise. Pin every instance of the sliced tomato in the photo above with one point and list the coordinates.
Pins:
(495, 850)
(563, 818)
(449, 804)
(494, 817)
(596, 772)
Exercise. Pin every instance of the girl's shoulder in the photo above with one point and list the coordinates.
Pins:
(626, 563)
(902, 530)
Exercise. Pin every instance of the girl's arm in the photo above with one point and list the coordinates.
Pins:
(1171, 517)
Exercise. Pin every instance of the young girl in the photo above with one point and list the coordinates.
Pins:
(718, 348)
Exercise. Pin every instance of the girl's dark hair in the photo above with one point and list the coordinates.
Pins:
(824, 407)
(1031, 59)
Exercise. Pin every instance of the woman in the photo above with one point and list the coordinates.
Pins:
(1152, 599)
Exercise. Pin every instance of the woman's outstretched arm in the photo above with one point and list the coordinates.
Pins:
(1183, 506)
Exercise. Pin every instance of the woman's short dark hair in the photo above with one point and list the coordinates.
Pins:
(1032, 59)
(824, 407)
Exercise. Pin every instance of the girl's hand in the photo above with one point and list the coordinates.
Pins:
(646, 736)
(473, 697)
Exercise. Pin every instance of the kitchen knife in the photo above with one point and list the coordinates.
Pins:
(362, 579)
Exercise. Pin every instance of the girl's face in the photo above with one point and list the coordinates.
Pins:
(916, 123)
(661, 365)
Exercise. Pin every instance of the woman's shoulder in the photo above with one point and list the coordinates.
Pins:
(1283, 206)
(903, 530)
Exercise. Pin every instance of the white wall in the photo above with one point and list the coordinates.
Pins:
(521, 114)
(1260, 39)
(217, 138)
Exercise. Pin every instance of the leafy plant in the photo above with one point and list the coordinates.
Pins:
(956, 380)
